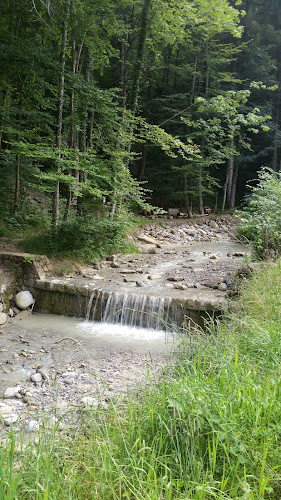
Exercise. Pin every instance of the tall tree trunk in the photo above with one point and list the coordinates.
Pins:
(224, 192)
(56, 195)
(140, 55)
(6, 95)
(186, 198)
(17, 184)
(276, 117)
(200, 190)
(142, 163)
(230, 167)
(207, 77)
(192, 91)
(233, 188)
(123, 52)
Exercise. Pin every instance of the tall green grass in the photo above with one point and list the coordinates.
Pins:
(211, 428)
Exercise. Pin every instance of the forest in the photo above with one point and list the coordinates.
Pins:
(115, 106)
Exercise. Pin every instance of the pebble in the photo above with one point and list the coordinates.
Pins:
(3, 318)
(70, 375)
(11, 419)
(222, 287)
(32, 426)
(36, 378)
(180, 286)
(89, 402)
(154, 276)
(175, 278)
(43, 373)
(10, 392)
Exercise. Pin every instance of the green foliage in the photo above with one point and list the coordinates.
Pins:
(85, 237)
(261, 218)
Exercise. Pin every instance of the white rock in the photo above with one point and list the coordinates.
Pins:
(32, 426)
(5, 410)
(89, 402)
(69, 375)
(37, 378)
(24, 299)
(3, 318)
(10, 392)
(3, 289)
(213, 224)
(10, 419)
(43, 373)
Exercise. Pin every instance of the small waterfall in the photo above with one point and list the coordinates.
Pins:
(131, 310)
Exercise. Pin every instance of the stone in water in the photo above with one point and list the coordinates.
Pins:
(24, 299)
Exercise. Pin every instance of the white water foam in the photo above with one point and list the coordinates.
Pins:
(123, 332)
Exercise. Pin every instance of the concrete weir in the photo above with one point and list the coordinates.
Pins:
(163, 311)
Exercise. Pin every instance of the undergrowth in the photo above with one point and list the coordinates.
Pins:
(87, 238)
(209, 429)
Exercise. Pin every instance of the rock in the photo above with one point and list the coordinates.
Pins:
(32, 426)
(43, 373)
(180, 286)
(114, 265)
(244, 270)
(2, 307)
(89, 402)
(222, 287)
(70, 375)
(11, 419)
(213, 257)
(175, 278)
(239, 254)
(36, 378)
(5, 410)
(24, 299)
(149, 239)
(139, 283)
(10, 392)
(154, 277)
(11, 313)
(111, 258)
(3, 318)
(153, 251)
(16, 310)
(214, 225)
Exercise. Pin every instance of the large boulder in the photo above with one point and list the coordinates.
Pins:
(24, 299)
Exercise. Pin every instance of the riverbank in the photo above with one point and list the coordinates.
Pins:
(209, 429)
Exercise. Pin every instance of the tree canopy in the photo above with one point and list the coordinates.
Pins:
(117, 102)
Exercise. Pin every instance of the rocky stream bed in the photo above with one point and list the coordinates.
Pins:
(48, 370)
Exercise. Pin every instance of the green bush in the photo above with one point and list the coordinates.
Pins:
(88, 238)
(261, 219)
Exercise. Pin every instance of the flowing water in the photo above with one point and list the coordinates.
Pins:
(130, 309)
(53, 340)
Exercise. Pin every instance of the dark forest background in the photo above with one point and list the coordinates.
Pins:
(101, 101)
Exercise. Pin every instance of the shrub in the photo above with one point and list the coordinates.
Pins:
(88, 238)
(261, 218)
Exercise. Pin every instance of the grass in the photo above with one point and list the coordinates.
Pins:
(211, 428)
